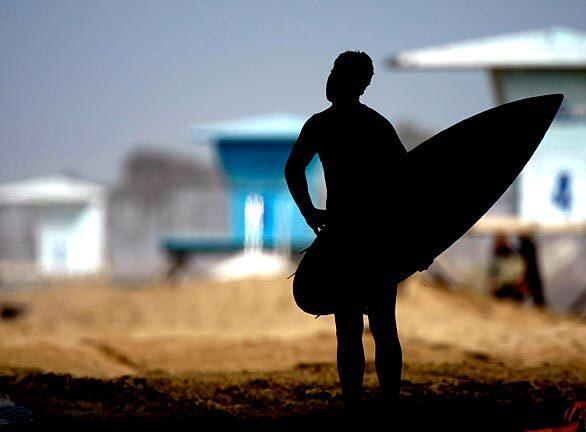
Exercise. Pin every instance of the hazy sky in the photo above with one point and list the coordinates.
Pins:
(83, 81)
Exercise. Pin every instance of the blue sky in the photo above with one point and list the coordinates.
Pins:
(83, 81)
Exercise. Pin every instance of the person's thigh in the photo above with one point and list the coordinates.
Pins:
(381, 311)
(349, 322)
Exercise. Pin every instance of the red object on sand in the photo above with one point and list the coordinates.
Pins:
(575, 419)
(577, 413)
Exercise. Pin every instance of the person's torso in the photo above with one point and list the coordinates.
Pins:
(362, 160)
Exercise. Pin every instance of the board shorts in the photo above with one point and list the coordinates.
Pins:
(362, 269)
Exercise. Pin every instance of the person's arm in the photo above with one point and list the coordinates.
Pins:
(396, 141)
(301, 155)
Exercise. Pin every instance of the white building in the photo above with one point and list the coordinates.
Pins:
(551, 190)
(552, 187)
(68, 219)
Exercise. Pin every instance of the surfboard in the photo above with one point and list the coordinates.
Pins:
(451, 181)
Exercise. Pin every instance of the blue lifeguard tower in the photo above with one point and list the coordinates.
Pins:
(261, 213)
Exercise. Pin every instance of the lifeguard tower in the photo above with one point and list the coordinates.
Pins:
(552, 187)
(261, 214)
(549, 197)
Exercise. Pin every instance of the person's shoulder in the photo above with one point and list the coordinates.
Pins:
(317, 119)
(376, 116)
(321, 116)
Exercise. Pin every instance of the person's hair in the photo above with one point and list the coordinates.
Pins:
(356, 67)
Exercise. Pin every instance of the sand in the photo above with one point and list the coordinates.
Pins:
(232, 352)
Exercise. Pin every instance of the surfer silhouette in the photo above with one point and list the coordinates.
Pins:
(377, 227)
(362, 158)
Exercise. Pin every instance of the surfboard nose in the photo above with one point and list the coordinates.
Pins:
(555, 99)
(535, 113)
(548, 104)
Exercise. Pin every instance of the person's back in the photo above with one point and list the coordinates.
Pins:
(362, 158)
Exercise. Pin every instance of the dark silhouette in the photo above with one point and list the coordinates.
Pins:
(362, 157)
(514, 273)
(389, 213)
(528, 251)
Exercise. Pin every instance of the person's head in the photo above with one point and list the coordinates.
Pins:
(349, 77)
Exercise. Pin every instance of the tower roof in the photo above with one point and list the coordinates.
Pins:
(552, 48)
(272, 126)
(56, 189)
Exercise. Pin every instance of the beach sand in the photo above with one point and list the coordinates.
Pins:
(241, 354)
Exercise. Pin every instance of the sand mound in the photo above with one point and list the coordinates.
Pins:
(101, 330)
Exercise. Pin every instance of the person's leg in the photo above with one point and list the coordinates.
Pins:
(351, 363)
(388, 354)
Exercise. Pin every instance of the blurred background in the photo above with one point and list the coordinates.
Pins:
(144, 220)
(144, 139)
